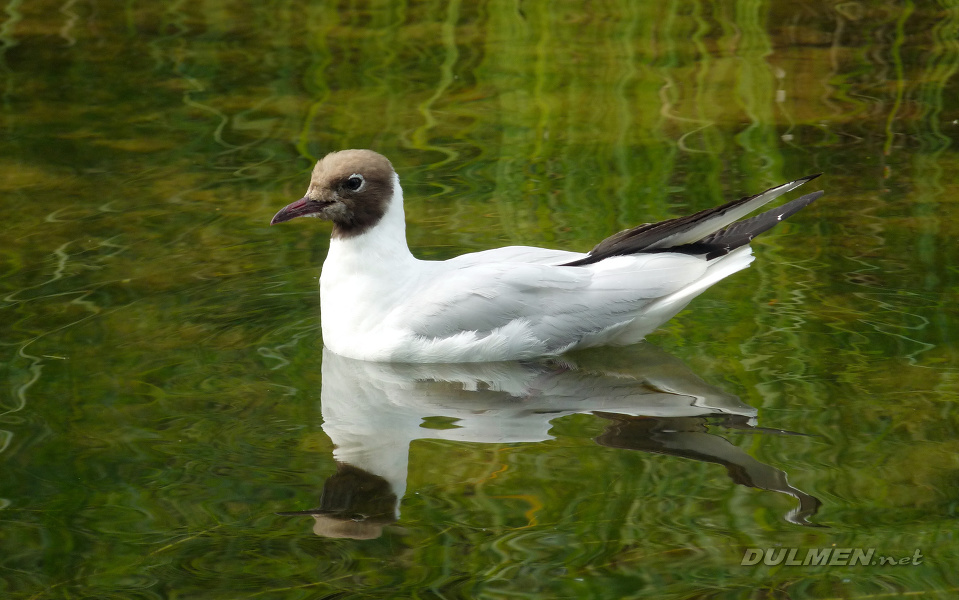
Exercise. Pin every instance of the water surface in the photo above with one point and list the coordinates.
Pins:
(168, 408)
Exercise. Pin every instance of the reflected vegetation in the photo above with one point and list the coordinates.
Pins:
(374, 411)
(160, 350)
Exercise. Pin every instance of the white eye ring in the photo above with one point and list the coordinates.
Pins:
(354, 182)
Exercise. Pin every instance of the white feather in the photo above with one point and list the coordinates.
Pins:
(380, 303)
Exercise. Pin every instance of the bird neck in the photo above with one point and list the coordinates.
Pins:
(383, 246)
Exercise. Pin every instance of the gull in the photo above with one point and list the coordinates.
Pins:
(380, 303)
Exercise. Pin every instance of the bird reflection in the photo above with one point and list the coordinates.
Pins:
(651, 401)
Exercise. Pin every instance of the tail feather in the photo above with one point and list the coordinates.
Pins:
(713, 231)
(739, 234)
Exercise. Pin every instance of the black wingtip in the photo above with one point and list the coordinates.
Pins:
(639, 239)
(741, 233)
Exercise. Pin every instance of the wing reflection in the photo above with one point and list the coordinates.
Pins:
(653, 402)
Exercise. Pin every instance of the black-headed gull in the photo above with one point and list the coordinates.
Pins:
(380, 303)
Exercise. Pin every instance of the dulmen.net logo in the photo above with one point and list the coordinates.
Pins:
(826, 557)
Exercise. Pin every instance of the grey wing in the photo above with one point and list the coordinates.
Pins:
(516, 254)
(688, 230)
(560, 305)
(482, 298)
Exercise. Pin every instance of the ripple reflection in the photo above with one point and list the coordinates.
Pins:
(655, 404)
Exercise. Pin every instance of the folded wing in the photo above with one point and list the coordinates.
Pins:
(557, 305)
(674, 234)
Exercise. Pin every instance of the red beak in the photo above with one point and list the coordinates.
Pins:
(301, 208)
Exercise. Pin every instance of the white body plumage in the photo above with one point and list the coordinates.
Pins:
(380, 303)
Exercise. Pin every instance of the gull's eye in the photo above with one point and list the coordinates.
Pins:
(354, 182)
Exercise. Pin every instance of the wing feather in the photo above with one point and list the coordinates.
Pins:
(683, 230)
(558, 305)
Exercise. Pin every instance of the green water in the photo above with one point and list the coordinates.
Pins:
(164, 388)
